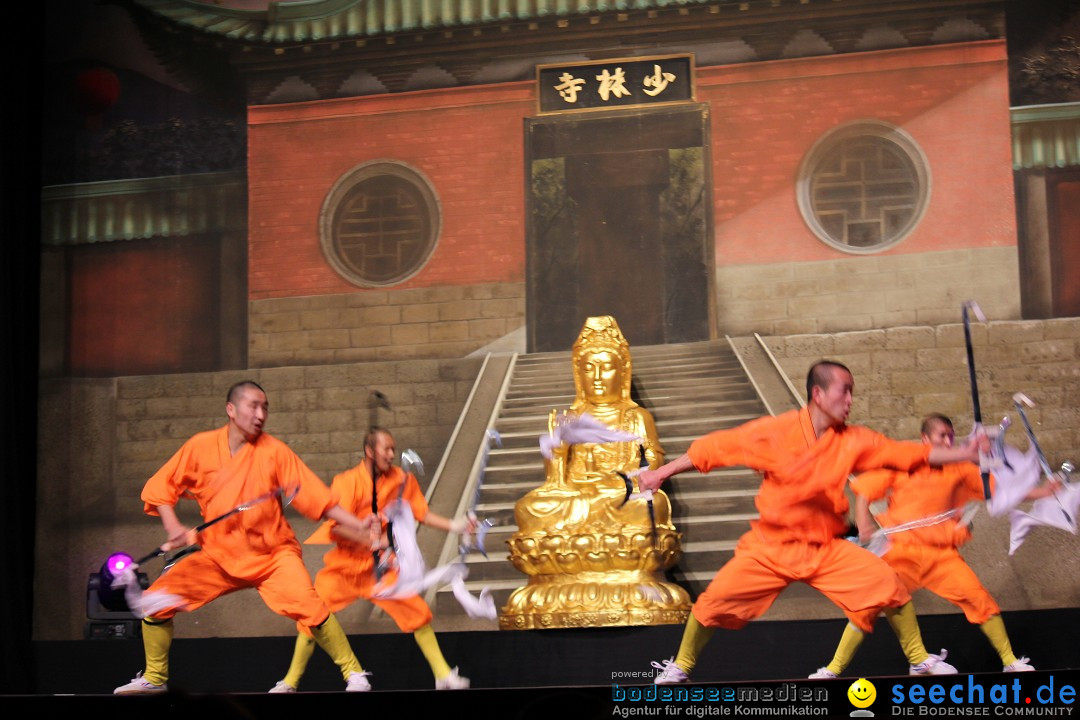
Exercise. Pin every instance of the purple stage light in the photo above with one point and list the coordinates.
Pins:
(117, 562)
(107, 606)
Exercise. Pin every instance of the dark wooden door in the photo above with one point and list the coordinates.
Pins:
(619, 224)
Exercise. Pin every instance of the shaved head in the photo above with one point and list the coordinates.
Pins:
(373, 434)
(932, 419)
(820, 375)
(234, 391)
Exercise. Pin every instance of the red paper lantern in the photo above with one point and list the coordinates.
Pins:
(96, 89)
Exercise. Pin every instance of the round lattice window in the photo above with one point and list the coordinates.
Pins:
(380, 223)
(864, 187)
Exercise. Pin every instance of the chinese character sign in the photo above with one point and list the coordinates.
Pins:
(568, 87)
(615, 83)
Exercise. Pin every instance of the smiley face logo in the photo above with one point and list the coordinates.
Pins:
(862, 693)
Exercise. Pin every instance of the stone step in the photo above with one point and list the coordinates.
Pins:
(557, 378)
(641, 366)
(538, 411)
(523, 418)
(531, 475)
(499, 497)
(674, 410)
(640, 352)
(705, 398)
(702, 426)
(519, 393)
(525, 430)
(559, 383)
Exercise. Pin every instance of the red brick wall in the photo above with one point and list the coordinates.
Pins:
(111, 286)
(953, 100)
(468, 143)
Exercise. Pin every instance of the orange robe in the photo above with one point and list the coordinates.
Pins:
(349, 571)
(254, 548)
(802, 512)
(927, 557)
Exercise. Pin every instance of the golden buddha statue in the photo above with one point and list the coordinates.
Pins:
(591, 559)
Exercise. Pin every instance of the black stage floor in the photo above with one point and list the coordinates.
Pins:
(536, 673)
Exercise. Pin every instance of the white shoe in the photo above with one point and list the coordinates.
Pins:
(823, 673)
(453, 681)
(1018, 665)
(670, 673)
(140, 686)
(933, 665)
(358, 682)
(282, 687)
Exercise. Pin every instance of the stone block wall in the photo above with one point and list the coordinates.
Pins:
(861, 293)
(904, 373)
(433, 322)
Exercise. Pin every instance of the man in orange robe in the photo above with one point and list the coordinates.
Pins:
(221, 469)
(805, 457)
(927, 557)
(349, 569)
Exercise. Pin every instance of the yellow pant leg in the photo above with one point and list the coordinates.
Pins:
(429, 645)
(332, 639)
(157, 639)
(906, 626)
(695, 637)
(305, 647)
(845, 650)
(994, 629)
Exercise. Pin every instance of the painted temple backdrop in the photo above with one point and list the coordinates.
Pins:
(349, 196)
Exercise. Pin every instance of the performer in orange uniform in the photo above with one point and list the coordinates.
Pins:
(927, 557)
(805, 457)
(349, 568)
(221, 469)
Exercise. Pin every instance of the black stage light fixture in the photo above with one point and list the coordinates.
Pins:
(107, 611)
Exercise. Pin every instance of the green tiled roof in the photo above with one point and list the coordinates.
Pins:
(316, 20)
(173, 206)
(1046, 136)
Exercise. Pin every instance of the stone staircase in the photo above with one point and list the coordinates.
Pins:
(691, 389)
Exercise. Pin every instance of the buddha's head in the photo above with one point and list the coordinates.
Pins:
(601, 358)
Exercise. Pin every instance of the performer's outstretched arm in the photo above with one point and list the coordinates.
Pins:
(653, 479)
(968, 452)
(363, 531)
(462, 526)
